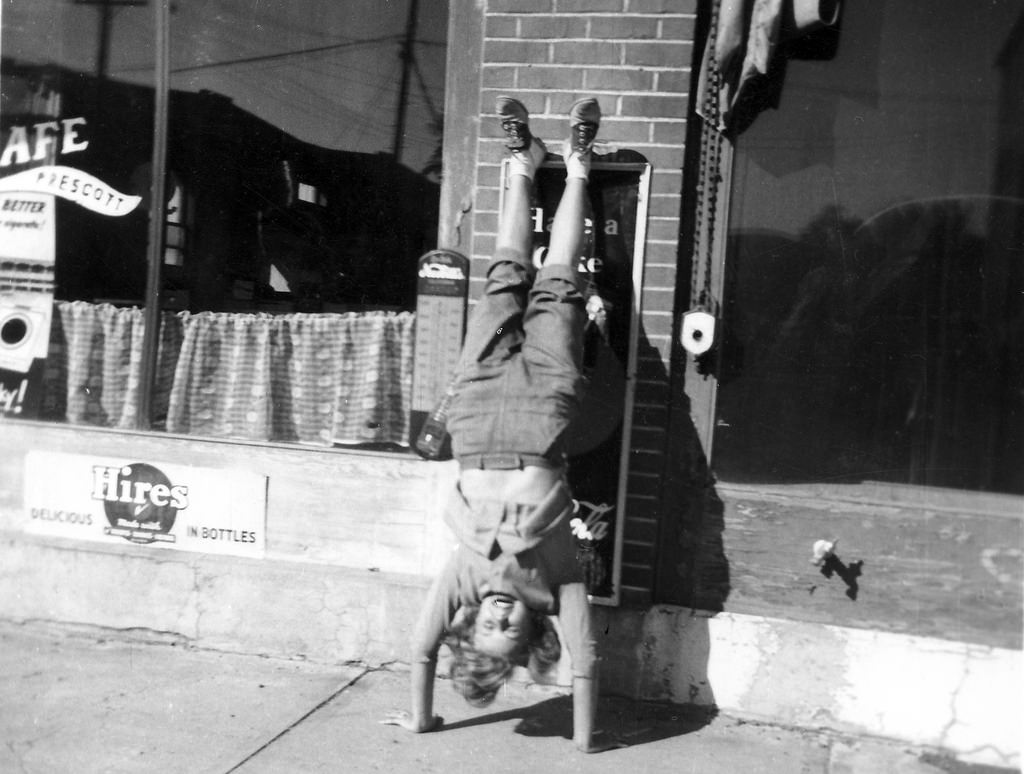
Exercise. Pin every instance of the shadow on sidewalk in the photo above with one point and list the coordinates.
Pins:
(633, 722)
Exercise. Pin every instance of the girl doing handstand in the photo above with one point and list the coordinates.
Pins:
(517, 392)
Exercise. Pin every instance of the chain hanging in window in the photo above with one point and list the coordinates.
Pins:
(698, 328)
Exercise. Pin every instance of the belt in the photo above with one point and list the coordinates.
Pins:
(507, 461)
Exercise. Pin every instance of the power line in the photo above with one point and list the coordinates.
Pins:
(279, 55)
(286, 54)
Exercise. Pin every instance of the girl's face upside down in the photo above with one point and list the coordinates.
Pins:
(502, 626)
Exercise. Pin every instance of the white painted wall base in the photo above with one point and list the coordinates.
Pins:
(961, 698)
(964, 698)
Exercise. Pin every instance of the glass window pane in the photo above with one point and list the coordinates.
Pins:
(303, 177)
(76, 134)
(77, 94)
(298, 191)
(873, 308)
(303, 152)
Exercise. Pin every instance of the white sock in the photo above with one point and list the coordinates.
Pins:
(518, 165)
(577, 165)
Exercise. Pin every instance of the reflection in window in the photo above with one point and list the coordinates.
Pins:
(61, 68)
(300, 191)
(303, 147)
(873, 309)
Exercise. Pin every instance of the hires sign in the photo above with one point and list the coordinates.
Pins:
(162, 504)
(115, 485)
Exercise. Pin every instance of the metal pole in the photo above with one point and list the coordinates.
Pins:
(155, 253)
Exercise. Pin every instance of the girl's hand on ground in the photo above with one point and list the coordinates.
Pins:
(601, 741)
(406, 721)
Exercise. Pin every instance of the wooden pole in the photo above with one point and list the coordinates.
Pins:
(403, 90)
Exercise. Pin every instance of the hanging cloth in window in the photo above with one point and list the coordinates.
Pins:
(748, 34)
(95, 360)
(310, 378)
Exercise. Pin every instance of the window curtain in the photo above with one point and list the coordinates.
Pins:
(311, 378)
(95, 357)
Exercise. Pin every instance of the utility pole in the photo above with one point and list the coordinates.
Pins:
(106, 16)
(406, 56)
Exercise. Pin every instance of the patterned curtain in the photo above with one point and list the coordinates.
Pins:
(311, 378)
(93, 367)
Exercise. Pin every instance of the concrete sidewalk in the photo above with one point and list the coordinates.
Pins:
(91, 700)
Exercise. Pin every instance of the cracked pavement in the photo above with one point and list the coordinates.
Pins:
(90, 700)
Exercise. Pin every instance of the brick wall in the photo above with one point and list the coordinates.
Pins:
(635, 56)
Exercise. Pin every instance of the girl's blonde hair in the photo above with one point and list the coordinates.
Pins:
(478, 676)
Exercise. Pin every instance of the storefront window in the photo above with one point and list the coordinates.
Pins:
(875, 324)
(77, 97)
(302, 184)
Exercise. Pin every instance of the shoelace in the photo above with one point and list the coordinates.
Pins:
(583, 135)
(517, 134)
